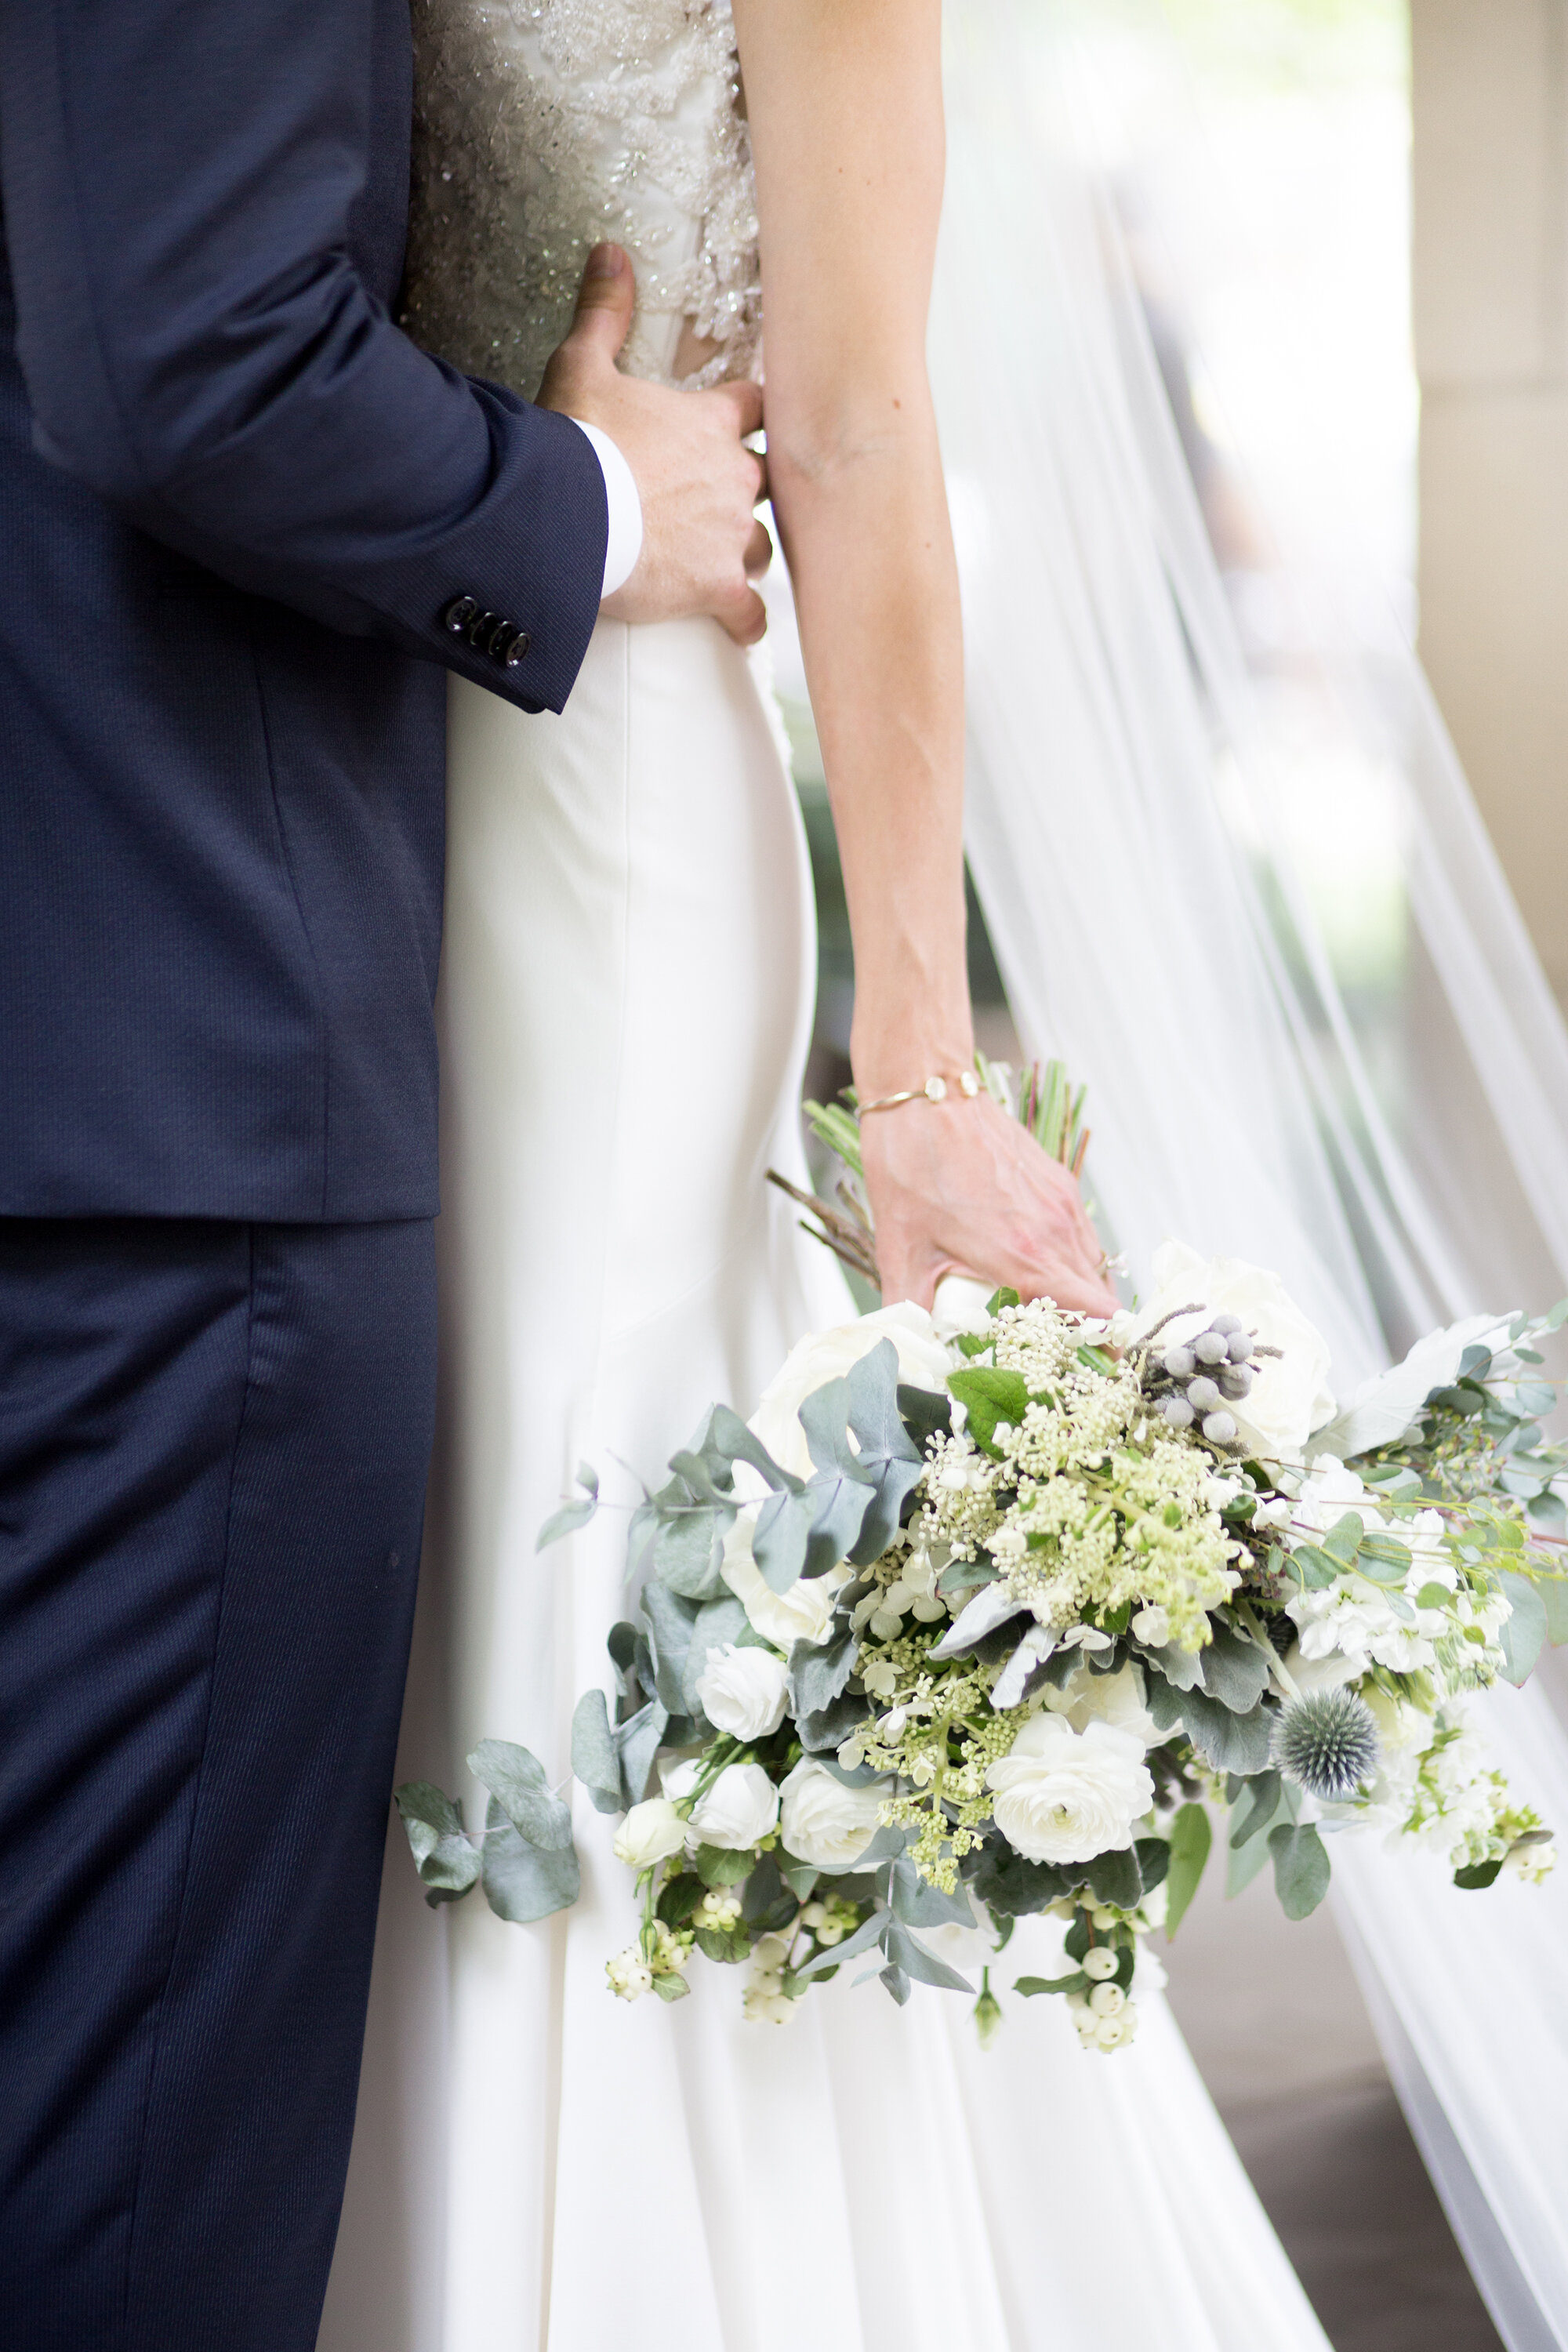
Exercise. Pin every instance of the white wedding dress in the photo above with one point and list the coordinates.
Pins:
(626, 1009)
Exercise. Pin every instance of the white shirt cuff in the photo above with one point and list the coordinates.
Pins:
(624, 545)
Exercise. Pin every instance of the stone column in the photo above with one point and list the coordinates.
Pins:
(1490, 290)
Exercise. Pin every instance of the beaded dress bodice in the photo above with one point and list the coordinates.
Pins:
(544, 126)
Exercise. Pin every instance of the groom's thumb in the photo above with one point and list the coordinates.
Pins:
(605, 301)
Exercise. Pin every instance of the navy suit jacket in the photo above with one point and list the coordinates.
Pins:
(244, 523)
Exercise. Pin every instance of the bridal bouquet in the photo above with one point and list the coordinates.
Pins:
(1003, 1615)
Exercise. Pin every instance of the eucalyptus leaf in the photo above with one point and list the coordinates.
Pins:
(515, 1779)
(524, 1881)
(1256, 1808)
(565, 1522)
(800, 1877)
(1344, 1539)
(670, 1620)
(897, 1982)
(687, 1549)
(819, 1671)
(1300, 1868)
(826, 1730)
(886, 1451)
(870, 1931)
(1523, 1635)
(1191, 1838)
(1553, 1591)
(907, 1952)
(920, 1904)
(594, 1757)
(637, 1744)
(780, 1538)
(443, 1852)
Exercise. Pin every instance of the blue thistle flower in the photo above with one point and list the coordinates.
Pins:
(1327, 1743)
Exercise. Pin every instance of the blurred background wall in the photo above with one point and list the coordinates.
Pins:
(1489, 113)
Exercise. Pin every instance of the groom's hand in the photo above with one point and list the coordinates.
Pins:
(699, 485)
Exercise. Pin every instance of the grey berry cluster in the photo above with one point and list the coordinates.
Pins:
(1195, 1378)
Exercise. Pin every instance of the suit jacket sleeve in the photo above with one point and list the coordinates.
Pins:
(187, 185)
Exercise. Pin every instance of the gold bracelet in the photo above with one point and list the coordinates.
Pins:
(935, 1089)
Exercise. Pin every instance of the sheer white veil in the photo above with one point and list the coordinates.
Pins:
(1128, 788)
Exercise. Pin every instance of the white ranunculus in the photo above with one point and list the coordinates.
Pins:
(824, 1356)
(651, 1832)
(1118, 1699)
(803, 1613)
(1383, 1409)
(1065, 1795)
(743, 1690)
(824, 1823)
(742, 1806)
(1290, 1396)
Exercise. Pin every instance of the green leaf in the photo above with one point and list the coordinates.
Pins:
(516, 1781)
(920, 1904)
(1183, 1669)
(1553, 1591)
(1012, 1888)
(1300, 1868)
(524, 1881)
(1228, 1742)
(990, 1397)
(818, 1672)
(924, 1414)
(679, 1899)
(670, 1620)
(637, 1744)
(721, 1865)
(1235, 1671)
(688, 1547)
(1258, 1805)
(907, 1952)
(725, 1945)
(1191, 1838)
(1524, 1635)
(1344, 1537)
(594, 1758)
(1029, 1986)
(767, 1904)
(1534, 1398)
(1478, 1875)
(571, 1516)
(867, 1933)
(1115, 1878)
(1312, 1569)
(1153, 1861)
(717, 1622)
(443, 1854)
(671, 1985)
(898, 1983)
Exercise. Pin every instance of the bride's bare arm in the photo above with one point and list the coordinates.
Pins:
(845, 102)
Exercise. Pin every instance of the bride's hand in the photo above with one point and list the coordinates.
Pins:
(961, 1188)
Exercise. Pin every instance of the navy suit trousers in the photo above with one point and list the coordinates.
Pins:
(214, 1441)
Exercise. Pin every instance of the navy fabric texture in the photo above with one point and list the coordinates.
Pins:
(212, 1449)
(235, 505)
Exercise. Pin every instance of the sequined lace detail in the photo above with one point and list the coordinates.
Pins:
(542, 126)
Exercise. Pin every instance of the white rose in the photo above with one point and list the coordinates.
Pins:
(741, 1807)
(1118, 1699)
(651, 1832)
(1066, 1796)
(823, 1821)
(824, 1356)
(742, 1692)
(803, 1613)
(1289, 1396)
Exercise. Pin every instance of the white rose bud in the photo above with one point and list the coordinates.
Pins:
(743, 1690)
(650, 1835)
(803, 1613)
(1066, 1796)
(824, 1823)
(741, 1807)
